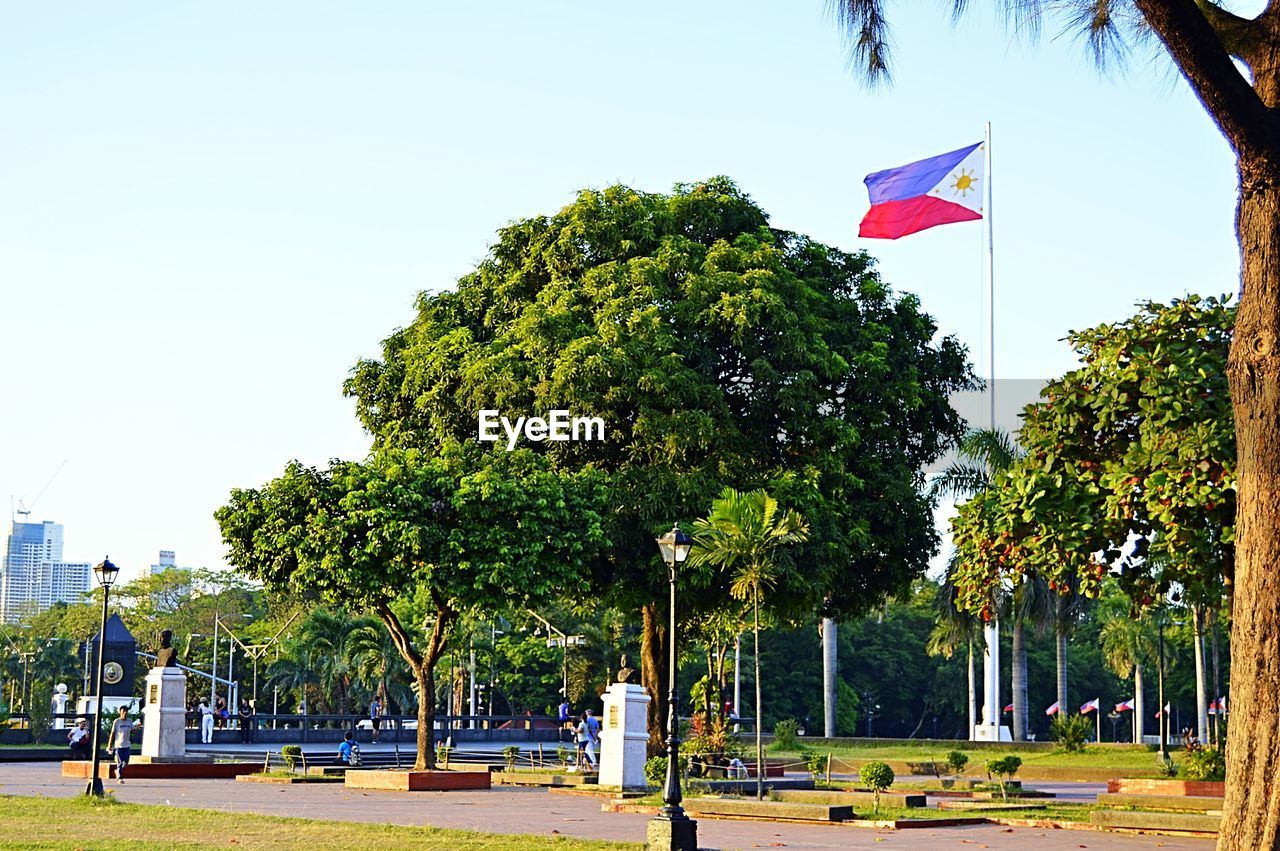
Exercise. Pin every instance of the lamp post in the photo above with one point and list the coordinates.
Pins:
(106, 573)
(671, 828)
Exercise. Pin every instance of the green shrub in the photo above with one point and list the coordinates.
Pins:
(786, 735)
(1070, 731)
(1167, 765)
(655, 770)
(442, 754)
(956, 761)
(815, 761)
(565, 754)
(510, 754)
(1004, 768)
(291, 754)
(877, 777)
(1205, 764)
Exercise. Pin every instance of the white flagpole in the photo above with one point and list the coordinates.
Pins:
(991, 288)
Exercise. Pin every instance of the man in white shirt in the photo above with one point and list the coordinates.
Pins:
(119, 741)
(79, 739)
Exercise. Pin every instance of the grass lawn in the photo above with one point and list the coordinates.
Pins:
(1061, 812)
(1139, 758)
(83, 823)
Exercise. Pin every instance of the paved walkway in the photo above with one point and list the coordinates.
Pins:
(538, 811)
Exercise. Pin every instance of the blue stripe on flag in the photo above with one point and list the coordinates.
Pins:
(913, 179)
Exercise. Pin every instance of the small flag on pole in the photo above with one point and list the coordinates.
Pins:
(1091, 706)
(1168, 707)
(1053, 709)
(1124, 705)
(1009, 708)
(917, 196)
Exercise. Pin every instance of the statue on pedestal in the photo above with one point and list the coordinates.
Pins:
(166, 655)
(626, 673)
(58, 705)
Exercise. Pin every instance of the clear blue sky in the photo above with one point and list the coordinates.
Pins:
(210, 211)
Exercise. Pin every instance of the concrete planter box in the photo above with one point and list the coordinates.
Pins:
(855, 798)
(1177, 823)
(288, 781)
(417, 781)
(542, 778)
(1143, 786)
(769, 810)
(1184, 803)
(162, 770)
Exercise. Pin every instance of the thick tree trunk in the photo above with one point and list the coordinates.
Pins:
(653, 675)
(1251, 811)
(1019, 683)
(973, 693)
(1202, 702)
(1060, 636)
(1139, 706)
(426, 757)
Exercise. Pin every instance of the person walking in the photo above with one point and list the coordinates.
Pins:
(593, 729)
(246, 722)
(119, 742)
(566, 720)
(206, 723)
(583, 734)
(375, 717)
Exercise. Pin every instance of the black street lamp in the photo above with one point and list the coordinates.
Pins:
(106, 573)
(671, 828)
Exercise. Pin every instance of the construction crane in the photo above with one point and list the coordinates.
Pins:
(24, 509)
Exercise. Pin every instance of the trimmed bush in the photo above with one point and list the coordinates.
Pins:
(291, 754)
(956, 761)
(877, 777)
(1004, 768)
(510, 754)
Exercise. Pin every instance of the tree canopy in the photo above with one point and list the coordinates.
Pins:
(719, 351)
(1130, 463)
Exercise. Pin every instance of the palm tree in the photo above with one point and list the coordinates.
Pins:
(1030, 605)
(324, 634)
(982, 455)
(1126, 644)
(1069, 606)
(377, 665)
(740, 535)
(956, 628)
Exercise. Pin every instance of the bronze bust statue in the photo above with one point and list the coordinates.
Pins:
(166, 656)
(626, 673)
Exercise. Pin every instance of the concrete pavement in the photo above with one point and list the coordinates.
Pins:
(536, 811)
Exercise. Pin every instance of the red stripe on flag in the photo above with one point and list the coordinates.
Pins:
(893, 219)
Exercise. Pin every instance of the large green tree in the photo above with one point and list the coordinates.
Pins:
(719, 351)
(1228, 60)
(437, 537)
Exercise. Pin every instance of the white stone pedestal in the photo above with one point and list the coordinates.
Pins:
(164, 715)
(624, 736)
(990, 733)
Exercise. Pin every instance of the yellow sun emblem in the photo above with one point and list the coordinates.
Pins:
(965, 182)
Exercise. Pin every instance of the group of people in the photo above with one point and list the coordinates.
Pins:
(585, 730)
(217, 716)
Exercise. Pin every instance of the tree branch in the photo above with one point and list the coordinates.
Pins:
(1206, 64)
(399, 635)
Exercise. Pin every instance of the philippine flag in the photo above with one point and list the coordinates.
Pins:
(1009, 708)
(1124, 705)
(1090, 706)
(917, 196)
(1053, 709)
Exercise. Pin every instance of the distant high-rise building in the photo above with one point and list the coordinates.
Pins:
(35, 576)
(168, 559)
